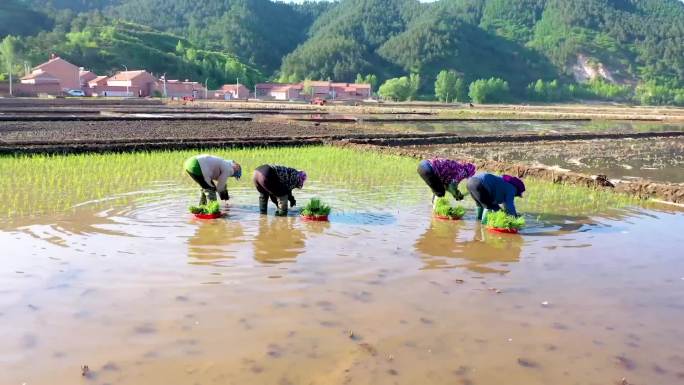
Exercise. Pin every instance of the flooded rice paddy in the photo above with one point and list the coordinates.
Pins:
(656, 159)
(101, 266)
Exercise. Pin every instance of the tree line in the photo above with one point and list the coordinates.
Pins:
(449, 87)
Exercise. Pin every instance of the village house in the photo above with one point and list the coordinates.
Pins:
(313, 89)
(86, 76)
(232, 91)
(52, 77)
(350, 91)
(66, 73)
(287, 92)
(138, 83)
(181, 89)
(263, 90)
(280, 91)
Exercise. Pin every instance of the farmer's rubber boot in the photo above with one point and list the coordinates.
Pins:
(263, 203)
(203, 198)
(480, 210)
(211, 195)
(484, 216)
(282, 206)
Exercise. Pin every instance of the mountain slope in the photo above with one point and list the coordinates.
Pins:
(445, 38)
(258, 31)
(625, 41)
(357, 26)
(73, 5)
(103, 45)
(519, 40)
(18, 19)
(638, 39)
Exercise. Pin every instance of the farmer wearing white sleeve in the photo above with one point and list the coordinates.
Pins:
(212, 173)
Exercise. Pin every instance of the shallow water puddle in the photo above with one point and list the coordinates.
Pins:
(142, 293)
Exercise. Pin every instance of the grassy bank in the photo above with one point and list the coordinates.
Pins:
(45, 184)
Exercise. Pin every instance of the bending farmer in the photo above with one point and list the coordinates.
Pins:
(277, 182)
(443, 175)
(489, 191)
(212, 173)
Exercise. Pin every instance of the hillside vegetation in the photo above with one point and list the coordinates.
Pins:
(18, 19)
(104, 45)
(544, 50)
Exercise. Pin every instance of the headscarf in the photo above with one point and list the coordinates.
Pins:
(516, 182)
(288, 176)
(237, 170)
(302, 178)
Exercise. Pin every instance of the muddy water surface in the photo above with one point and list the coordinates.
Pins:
(657, 159)
(383, 294)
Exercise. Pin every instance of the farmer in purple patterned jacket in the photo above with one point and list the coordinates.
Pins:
(277, 182)
(443, 175)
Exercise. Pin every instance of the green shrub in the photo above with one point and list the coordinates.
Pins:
(501, 220)
(492, 90)
(443, 208)
(212, 207)
(316, 208)
(400, 89)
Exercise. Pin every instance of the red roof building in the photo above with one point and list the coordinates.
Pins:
(232, 91)
(67, 74)
(315, 89)
(181, 89)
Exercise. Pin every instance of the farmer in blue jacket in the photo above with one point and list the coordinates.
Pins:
(489, 191)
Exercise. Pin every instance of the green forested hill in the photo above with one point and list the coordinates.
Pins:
(73, 5)
(18, 19)
(258, 31)
(444, 37)
(104, 45)
(637, 43)
(515, 39)
(344, 40)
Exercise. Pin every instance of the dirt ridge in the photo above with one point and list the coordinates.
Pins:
(642, 189)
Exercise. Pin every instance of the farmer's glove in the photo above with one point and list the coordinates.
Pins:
(293, 202)
(453, 190)
(282, 206)
(224, 195)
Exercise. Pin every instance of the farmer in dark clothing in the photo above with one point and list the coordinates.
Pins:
(443, 175)
(489, 191)
(277, 182)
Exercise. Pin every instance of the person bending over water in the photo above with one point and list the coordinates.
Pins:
(443, 175)
(212, 173)
(277, 182)
(489, 191)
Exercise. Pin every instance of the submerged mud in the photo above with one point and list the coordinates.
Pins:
(126, 288)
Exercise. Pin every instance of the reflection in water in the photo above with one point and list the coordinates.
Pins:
(440, 243)
(212, 240)
(278, 240)
(316, 227)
